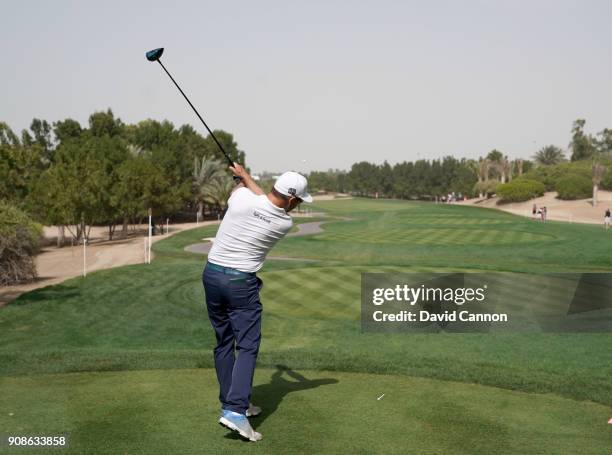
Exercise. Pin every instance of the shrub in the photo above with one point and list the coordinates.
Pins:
(550, 175)
(19, 241)
(606, 182)
(574, 187)
(520, 190)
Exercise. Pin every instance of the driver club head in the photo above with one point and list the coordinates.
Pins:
(155, 54)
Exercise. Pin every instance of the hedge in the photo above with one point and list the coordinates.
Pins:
(574, 187)
(550, 175)
(19, 242)
(520, 190)
(606, 182)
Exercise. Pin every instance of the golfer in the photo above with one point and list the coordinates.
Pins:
(254, 222)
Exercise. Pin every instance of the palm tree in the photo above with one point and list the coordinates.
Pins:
(551, 154)
(519, 166)
(484, 165)
(505, 169)
(581, 144)
(217, 192)
(212, 185)
(598, 172)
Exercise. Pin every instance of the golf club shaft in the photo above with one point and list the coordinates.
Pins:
(229, 160)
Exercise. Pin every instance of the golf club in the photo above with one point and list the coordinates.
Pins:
(154, 56)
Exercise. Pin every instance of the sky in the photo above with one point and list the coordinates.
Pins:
(320, 84)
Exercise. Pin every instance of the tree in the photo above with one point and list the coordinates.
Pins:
(229, 145)
(385, 185)
(464, 178)
(68, 175)
(212, 184)
(110, 152)
(41, 130)
(505, 169)
(486, 187)
(7, 136)
(603, 142)
(598, 173)
(581, 143)
(549, 155)
(363, 178)
(495, 156)
(67, 129)
(141, 185)
(218, 192)
(19, 239)
(50, 202)
(105, 124)
(330, 180)
(518, 164)
(40, 135)
(70, 191)
(481, 168)
(495, 159)
(20, 167)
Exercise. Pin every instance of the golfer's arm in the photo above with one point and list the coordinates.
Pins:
(248, 182)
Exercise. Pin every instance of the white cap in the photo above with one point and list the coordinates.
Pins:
(293, 184)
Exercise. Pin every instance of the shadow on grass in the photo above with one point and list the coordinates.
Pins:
(269, 396)
(58, 292)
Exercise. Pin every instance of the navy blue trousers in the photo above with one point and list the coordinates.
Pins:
(234, 311)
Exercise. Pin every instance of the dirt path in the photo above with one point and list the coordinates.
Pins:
(580, 211)
(55, 265)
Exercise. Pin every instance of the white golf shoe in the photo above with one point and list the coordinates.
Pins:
(238, 422)
(253, 410)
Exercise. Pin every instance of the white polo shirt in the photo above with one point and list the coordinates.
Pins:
(250, 228)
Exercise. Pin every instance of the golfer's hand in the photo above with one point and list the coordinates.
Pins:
(239, 171)
(247, 181)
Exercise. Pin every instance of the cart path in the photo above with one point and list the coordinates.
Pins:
(303, 229)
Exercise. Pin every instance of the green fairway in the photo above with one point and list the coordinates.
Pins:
(404, 233)
(145, 412)
(444, 393)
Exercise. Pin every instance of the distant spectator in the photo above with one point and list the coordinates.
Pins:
(534, 211)
(544, 213)
(607, 219)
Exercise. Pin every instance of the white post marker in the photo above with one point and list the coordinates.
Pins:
(167, 222)
(84, 257)
(145, 249)
(150, 233)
